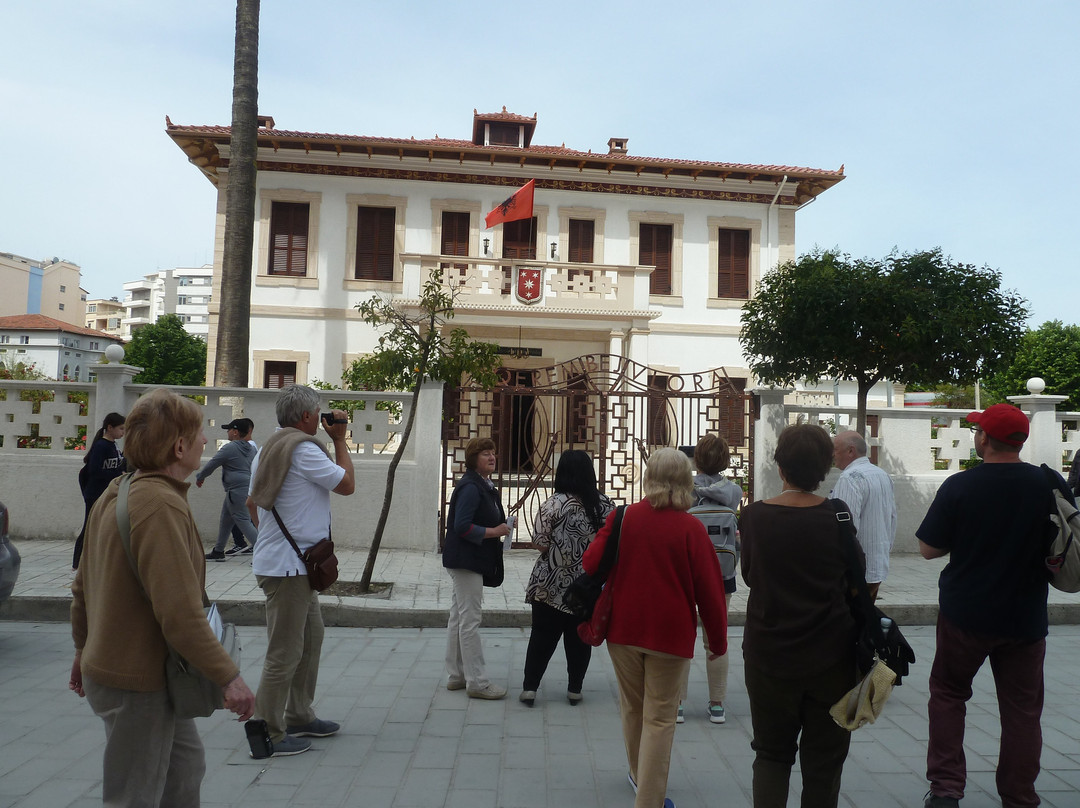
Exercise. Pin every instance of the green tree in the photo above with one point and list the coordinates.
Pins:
(1051, 352)
(234, 312)
(167, 354)
(911, 318)
(415, 345)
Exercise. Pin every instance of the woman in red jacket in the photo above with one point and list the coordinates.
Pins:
(666, 572)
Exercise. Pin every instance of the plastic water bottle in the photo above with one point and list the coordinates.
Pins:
(886, 624)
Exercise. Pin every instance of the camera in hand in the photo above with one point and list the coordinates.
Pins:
(329, 419)
(258, 735)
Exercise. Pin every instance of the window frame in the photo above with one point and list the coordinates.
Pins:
(353, 203)
(716, 224)
(301, 359)
(638, 218)
(267, 197)
(599, 220)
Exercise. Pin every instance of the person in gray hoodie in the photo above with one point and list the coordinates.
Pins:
(235, 460)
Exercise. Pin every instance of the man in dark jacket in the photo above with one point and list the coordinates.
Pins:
(235, 460)
(991, 522)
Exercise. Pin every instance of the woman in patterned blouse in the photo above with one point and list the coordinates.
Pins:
(567, 523)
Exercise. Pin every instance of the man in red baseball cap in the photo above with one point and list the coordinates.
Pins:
(991, 522)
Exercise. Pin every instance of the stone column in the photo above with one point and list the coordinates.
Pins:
(1044, 443)
(112, 394)
(767, 431)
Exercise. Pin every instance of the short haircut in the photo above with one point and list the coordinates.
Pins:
(293, 401)
(1002, 446)
(711, 455)
(804, 453)
(155, 423)
(474, 448)
(669, 481)
(855, 441)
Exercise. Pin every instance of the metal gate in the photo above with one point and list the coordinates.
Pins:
(615, 409)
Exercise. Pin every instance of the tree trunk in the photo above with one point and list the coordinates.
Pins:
(388, 494)
(234, 305)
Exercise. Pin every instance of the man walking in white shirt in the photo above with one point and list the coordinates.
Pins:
(868, 493)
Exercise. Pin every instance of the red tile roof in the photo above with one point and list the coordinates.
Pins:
(39, 322)
(553, 151)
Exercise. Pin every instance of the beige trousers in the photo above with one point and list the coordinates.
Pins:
(294, 638)
(649, 687)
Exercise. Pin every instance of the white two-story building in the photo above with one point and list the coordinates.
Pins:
(641, 257)
(641, 264)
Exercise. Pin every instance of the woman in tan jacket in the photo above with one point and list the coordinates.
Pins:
(121, 628)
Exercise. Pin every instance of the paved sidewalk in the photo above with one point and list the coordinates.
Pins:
(407, 742)
(421, 593)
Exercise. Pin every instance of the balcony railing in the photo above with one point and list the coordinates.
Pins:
(494, 281)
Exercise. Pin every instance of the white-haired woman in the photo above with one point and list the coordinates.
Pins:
(666, 573)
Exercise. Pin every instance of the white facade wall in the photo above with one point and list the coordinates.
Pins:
(688, 332)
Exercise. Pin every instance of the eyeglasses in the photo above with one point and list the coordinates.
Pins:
(975, 430)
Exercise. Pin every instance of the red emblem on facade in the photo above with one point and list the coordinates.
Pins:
(530, 284)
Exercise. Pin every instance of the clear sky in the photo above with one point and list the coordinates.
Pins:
(956, 121)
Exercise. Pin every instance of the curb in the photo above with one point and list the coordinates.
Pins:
(347, 614)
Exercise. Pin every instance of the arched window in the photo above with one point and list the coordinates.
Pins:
(66, 368)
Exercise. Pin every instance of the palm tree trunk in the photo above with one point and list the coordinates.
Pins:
(234, 308)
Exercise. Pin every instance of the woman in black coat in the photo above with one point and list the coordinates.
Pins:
(472, 551)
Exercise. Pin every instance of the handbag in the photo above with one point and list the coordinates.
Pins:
(594, 630)
(319, 560)
(191, 694)
(882, 655)
(584, 591)
(863, 703)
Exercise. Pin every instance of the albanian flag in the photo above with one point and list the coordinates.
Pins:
(517, 206)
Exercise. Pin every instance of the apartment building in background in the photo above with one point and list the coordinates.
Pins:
(50, 287)
(183, 291)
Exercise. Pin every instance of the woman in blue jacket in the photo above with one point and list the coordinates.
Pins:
(472, 550)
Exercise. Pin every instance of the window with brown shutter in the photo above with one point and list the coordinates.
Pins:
(733, 270)
(582, 234)
(375, 244)
(288, 238)
(279, 374)
(455, 239)
(654, 249)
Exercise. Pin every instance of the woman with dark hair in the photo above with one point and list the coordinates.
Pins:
(799, 640)
(102, 464)
(566, 524)
(472, 548)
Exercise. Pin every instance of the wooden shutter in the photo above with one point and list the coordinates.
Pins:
(654, 242)
(288, 238)
(455, 232)
(375, 244)
(279, 374)
(733, 271)
(582, 236)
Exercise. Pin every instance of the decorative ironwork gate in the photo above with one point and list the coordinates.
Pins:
(614, 408)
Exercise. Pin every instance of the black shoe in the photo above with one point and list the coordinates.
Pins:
(238, 549)
(215, 555)
(931, 800)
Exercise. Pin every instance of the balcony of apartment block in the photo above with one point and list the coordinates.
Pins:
(562, 286)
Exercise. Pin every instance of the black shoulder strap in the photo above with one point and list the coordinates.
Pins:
(856, 576)
(611, 549)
